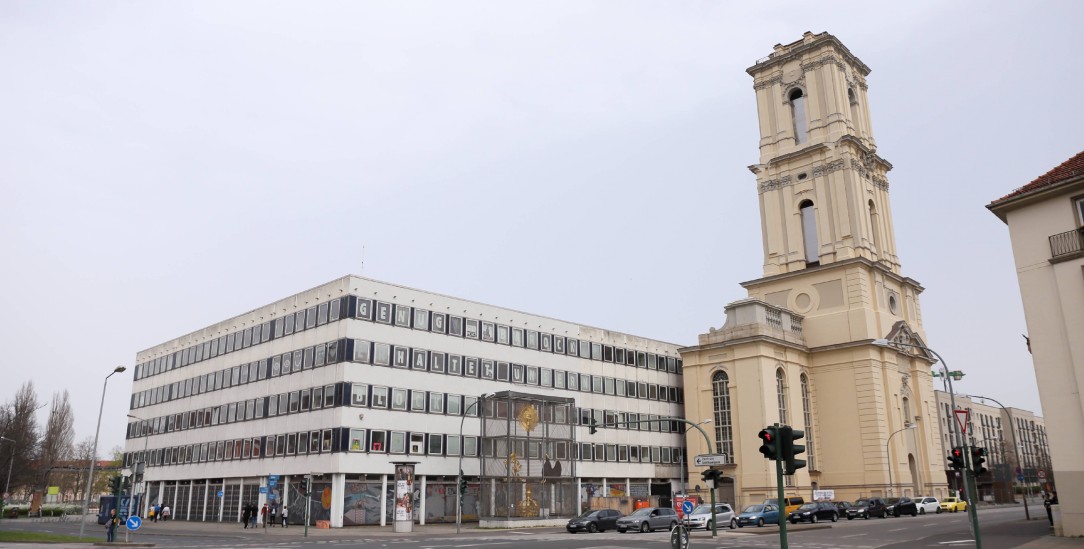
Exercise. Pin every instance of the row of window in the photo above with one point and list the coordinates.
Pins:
(383, 354)
(305, 319)
(396, 442)
(406, 317)
(377, 396)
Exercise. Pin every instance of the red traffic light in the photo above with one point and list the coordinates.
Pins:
(768, 447)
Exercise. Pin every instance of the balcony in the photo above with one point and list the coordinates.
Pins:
(1067, 245)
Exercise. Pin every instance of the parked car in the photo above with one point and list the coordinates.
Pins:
(790, 503)
(765, 513)
(953, 504)
(927, 504)
(648, 519)
(897, 507)
(842, 506)
(595, 520)
(813, 512)
(866, 507)
(701, 516)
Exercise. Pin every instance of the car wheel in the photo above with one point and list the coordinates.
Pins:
(866, 517)
(922, 511)
(673, 525)
(813, 519)
(643, 527)
(914, 513)
(760, 522)
(850, 517)
(938, 511)
(835, 517)
(733, 523)
(794, 521)
(708, 527)
(592, 528)
(621, 530)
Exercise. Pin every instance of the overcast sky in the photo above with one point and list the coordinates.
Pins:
(166, 165)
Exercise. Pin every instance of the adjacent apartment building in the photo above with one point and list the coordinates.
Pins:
(1046, 232)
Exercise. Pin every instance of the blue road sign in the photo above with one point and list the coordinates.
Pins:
(271, 497)
(220, 494)
(273, 477)
(272, 482)
(263, 489)
(133, 523)
(687, 507)
(1020, 478)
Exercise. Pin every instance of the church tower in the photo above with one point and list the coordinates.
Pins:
(799, 350)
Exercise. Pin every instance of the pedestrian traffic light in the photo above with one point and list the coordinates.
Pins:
(711, 477)
(956, 458)
(787, 436)
(593, 426)
(770, 438)
(978, 457)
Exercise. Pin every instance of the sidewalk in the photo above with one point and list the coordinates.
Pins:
(235, 529)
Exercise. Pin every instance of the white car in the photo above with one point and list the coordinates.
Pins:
(701, 516)
(927, 504)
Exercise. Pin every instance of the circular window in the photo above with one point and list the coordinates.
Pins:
(893, 304)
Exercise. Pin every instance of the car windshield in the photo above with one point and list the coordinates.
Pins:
(862, 503)
(808, 507)
(892, 501)
(589, 514)
(702, 510)
(754, 509)
(643, 512)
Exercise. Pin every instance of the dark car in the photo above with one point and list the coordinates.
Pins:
(867, 507)
(595, 520)
(842, 506)
(897, 507)
(814, 512)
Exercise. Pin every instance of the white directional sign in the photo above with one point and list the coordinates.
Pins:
(704, 460)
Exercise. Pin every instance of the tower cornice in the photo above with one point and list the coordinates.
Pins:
(833, 266)
(796, 49)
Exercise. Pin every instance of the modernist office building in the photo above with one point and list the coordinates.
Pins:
(354, 376)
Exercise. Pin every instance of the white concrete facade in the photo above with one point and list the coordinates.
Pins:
(393, 398)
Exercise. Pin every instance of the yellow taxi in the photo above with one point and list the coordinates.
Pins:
(952, 504)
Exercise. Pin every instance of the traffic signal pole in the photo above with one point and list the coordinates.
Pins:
(779, 489)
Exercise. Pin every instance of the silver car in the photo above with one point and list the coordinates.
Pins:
(648, 519)
(701, 516)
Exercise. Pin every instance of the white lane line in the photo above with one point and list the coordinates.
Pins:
(854, 535)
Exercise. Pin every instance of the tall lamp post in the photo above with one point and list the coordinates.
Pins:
(1015, 449)
(459, 480)
(888, 452)
(135, 469)
(7, 485)
(684, 488)
(94, 452)
(971, 512)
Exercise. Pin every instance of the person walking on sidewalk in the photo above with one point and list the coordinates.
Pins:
(244, 515)
(166, 513)
(111, 526)
(263, 515)
(274, 513)
(285, 513)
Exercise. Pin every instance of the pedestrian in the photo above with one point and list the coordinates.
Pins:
(157, 511)
(274, 512)
(111, 525)
(1052, 500)
(263, 515)
(253, 514)
(150, 513)
(285, 513)
(244, 515)
(166, 513)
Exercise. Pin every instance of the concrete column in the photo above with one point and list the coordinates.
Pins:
(338, 493)
(206, 493)
(221, 502)
(421, 502)
(173, 504)
(188, 504)
(492, 496)
(261, 499)
(383, 500)
(579, 495)
(236, 514)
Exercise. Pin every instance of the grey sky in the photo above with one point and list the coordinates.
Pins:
(165, 165)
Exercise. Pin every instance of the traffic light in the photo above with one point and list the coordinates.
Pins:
(787, 436)
(956, 458)
(114, 485)
(462, 484)
(593, 426)
(769, 436)
(978, 457)
(125, 484)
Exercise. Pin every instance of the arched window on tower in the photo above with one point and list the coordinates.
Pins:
(874, 220)
(797, 111)
(720, 395)
(781, 395)
(807, 413)
(809, 233)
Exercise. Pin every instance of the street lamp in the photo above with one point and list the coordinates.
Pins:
(94, 452)
(948, 377)
(684, 488)
(459, 479)
(1015, 450)
(7, 486)
(888, 452)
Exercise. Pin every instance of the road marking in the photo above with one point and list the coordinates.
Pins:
(854, 535)
(899, 529)
(957, 541)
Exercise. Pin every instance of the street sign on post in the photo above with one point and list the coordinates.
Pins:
(1042, 474)
(687, 507)
(707, 460)
(133, 523)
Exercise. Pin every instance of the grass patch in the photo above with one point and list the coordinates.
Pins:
(17, 536)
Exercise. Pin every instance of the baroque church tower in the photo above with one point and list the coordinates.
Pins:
(799, 350)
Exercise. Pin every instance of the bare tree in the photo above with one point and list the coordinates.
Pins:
(20, 425)
(56, 444)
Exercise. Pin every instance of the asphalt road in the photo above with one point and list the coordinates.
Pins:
(1001, 528)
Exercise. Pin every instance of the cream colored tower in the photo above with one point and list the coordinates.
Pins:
(799, 351)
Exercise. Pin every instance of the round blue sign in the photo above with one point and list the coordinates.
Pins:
(133, 523)
(687, 507)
